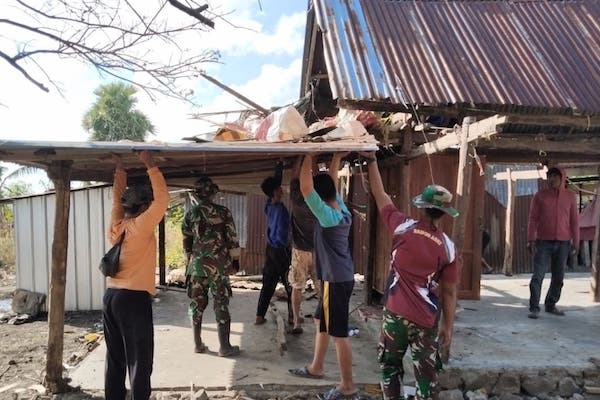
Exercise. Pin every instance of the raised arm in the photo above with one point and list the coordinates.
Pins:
(334, 167)
(296, 167)
(278, 172)
(119, 184)
(382, 199)
(306, 178)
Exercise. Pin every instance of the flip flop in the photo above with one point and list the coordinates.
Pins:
(304, 373)
(297, 331)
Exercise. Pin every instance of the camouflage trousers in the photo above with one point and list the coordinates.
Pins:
(397, 334)
(197, 291)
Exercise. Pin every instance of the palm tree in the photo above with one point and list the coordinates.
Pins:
(113, 116)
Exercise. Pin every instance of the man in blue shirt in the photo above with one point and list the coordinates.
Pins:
(277, 256)
(335, 269)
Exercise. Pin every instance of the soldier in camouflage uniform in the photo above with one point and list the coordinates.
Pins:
(420, 294)
(211, 245)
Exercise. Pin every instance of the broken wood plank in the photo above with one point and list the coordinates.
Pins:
(477, 130)
(281, 330)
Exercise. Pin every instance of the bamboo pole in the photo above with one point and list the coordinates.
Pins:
(509, 235)
(60, 173)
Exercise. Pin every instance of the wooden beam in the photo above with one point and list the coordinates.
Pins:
(60, 173)
(579, 149)
(507, 267)
(477, 130)
(519, 175)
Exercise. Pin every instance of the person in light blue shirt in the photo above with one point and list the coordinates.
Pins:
(335, 269)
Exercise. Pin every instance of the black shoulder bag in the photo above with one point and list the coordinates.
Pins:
(109, 265)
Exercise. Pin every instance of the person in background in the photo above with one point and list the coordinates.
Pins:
(423, 267)
(277, 254)
(553, 230)
(336, 270)
(127, 304)
(302, 266)
(211, 245)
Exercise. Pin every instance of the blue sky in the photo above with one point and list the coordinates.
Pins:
(261, 60)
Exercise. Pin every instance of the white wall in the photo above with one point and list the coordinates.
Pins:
(34, 230)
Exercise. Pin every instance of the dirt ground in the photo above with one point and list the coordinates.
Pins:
(23, 360)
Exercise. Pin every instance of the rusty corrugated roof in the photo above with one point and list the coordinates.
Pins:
(541, 54)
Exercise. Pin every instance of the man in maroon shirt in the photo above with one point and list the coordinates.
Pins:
(423, 268)
(553, 230)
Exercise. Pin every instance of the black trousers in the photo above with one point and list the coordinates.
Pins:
(129, 336)
(277, 265)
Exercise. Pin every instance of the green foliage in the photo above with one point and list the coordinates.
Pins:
(16, 189)
(174, 256)
(113, 116)
(7, 245)
(175, 214)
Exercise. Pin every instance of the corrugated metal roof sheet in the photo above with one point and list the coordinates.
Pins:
(533, 53)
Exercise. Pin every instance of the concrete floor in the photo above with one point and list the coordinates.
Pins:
(177, 366)
(496, 333)
(492, 333)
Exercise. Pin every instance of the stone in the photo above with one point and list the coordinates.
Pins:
(26, 302)
(455, 394)
(578, 396)
(479, 394)
(510, 396)
(536, 384)
(508, 383)
(475, 380)
(567, 387)
(450, 379)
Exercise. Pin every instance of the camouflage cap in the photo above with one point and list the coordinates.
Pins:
(435, 196)
(205, 187)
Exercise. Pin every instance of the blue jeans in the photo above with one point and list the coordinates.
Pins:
(555, 253)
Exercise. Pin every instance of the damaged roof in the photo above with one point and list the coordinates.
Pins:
(236, 164)
(526, 56)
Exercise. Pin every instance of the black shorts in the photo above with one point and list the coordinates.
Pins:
(333, 308)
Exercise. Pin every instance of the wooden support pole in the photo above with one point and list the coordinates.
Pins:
(595, 282)
(507, 267)
(60, 173)
(463, 186)
(371, 225)
(162, 267)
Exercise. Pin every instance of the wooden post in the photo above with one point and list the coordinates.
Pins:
(162, 267)
(371, 224)
(60, 173)
(463, 186)
(509, 236)
(595, 282)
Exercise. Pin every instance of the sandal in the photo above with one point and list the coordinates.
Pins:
(297, 331)
(304, 373)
